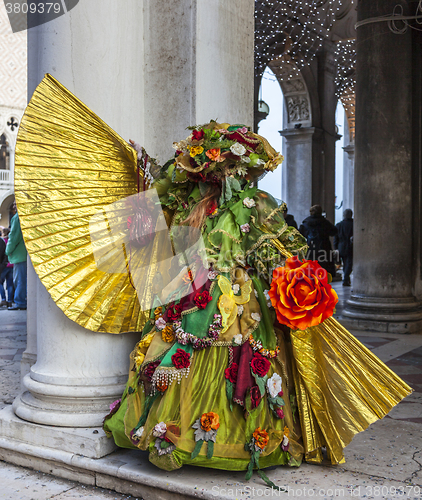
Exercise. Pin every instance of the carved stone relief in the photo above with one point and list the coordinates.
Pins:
(298, 108)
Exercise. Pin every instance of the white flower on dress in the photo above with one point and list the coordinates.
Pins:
(236, 288)
(237, 149)
(159, 430)
(256, 316)
(212, 275)
(274, 385)
(259, 162)
(240, 309)
(249, 202)
(237, 339)
(245, 228)
(138, 434)
(241, 169)
(285, 441)
(245, 159)
(160, 323)
(255, 292)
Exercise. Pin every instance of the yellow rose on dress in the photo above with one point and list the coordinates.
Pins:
(195, 150)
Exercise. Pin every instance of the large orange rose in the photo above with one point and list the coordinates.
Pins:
(210, 421)
(261, 437)
(301, 295)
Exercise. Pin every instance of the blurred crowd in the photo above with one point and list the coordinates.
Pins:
(331, 245)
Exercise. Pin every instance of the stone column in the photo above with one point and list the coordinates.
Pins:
(298, 169)
(149, 69)
(348, 176)
(78, 373)
(348, 168)
(384, 262)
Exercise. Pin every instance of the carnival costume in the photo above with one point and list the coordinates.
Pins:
(241, 365)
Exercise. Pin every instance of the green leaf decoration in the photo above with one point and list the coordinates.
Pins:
(269, 482)
(234, 184)
(279, 401)
(249, 471)
(210, 449)
(131, 390)
(164, 444)
(229, 393)
(228, 190)
(197, 449)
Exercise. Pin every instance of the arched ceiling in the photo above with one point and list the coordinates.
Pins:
(288, 34)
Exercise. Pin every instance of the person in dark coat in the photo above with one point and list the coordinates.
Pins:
(289, 218)
(317, 231)
(343, 242)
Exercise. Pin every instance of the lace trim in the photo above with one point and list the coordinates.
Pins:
(269, 236)
(281, 208)
(224, 232)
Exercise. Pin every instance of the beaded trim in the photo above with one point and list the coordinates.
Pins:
(166, 376)
(267, 353)
(185, 338)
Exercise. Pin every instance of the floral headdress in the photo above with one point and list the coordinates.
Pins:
(215, 151)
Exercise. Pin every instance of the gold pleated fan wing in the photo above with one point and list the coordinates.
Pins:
(69, 166)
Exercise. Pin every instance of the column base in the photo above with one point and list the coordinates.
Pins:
(383, 314)
(87, 442)
(65, 406)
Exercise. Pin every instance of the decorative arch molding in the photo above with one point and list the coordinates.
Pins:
(4, 195)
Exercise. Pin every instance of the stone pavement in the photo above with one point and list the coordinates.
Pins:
(384, 462)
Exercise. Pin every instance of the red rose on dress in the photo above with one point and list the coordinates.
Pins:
(181, 359)
(150, 369)
(201, 299)
(280, 413)
(231, 373)
(260, 365)
(197, 135)
(255, 396)
(174, 312)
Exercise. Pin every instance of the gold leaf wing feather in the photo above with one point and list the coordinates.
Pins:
(69, 166)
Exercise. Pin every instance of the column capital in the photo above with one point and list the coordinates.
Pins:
(300, 132)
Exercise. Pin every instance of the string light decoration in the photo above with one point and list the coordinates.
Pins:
(292, 30)
(345, 80)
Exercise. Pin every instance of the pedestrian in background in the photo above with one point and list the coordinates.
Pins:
(6, 276)
(290, 220)
(16, 253)
(343, 242)
(317, 231)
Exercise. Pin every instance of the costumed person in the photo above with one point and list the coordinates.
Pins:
(343, 242)
(239, 363)
(317, 231)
